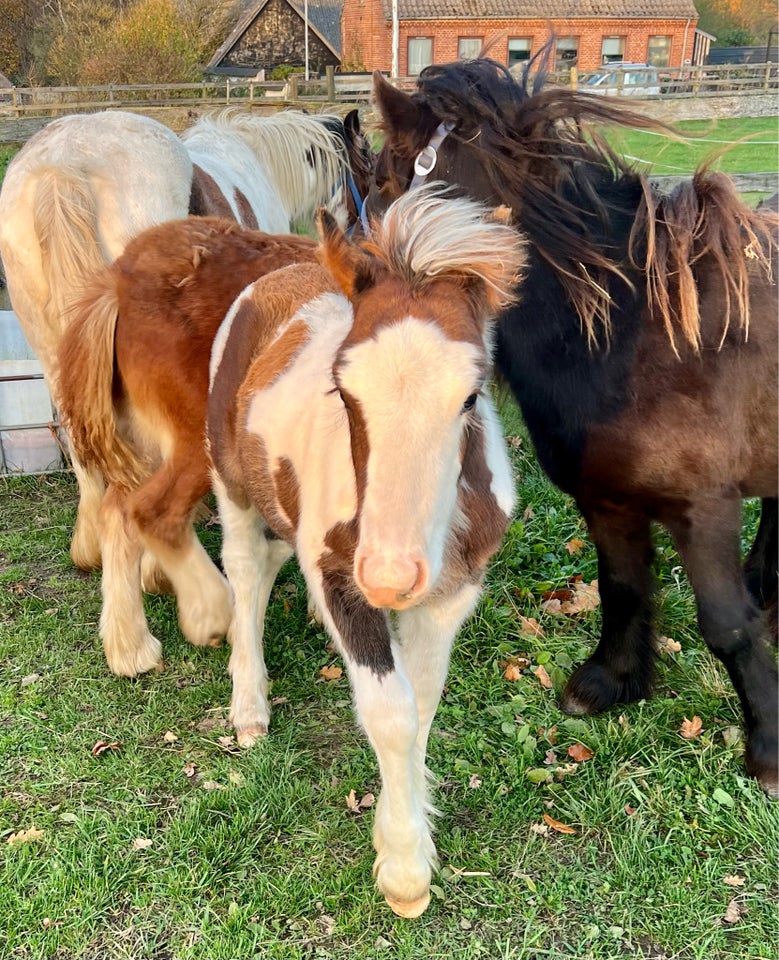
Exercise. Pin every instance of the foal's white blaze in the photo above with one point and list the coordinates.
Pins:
(410, 382)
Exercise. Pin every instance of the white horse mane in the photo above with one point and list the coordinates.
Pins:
(428, 232)
(276, 141)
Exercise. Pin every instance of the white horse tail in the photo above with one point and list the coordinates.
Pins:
(87, 375)
(65, 218)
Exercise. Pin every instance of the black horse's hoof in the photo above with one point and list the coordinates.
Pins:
(594, 688)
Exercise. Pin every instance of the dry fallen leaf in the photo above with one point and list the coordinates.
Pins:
(733, 912)
(586, 597)
(574, 546)
(169, 736)
(189, 769)
(553, 606)
(102, 745)
(357, 806)
(629, 810)
(543, 677)
(475, 782)
(556, 825)
(141, 843)
(734, 880)
(690, 729)
(531, 627)
(512, 672)
(667, 645)
(550, 757)
(331, 672)
(579, 752)
(24, 836)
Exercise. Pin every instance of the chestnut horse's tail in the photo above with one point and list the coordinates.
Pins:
(702, 217)
(87, 384)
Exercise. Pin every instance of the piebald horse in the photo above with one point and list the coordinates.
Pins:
(82, 187)
(350, 421)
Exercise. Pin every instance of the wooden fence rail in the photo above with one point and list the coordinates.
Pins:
(333, 89)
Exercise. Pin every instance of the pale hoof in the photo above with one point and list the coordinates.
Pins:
(248, 736)
(409, 908)
(145, 657)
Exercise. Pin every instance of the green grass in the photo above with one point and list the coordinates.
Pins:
(256, 855)
(666, 156)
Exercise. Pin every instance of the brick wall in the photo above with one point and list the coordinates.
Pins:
(366, 37)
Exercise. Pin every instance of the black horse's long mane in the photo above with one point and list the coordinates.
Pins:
(584, 208)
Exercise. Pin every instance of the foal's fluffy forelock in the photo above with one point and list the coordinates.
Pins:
(428, 233)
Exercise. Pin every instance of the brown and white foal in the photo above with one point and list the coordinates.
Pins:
(133, 391)
(349, 421)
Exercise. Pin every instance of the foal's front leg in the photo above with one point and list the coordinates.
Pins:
(621, 669)
(386, 708)
(251, 561)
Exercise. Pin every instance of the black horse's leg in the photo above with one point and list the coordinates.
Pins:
(622, 667)
(707, 536)
(760, 567)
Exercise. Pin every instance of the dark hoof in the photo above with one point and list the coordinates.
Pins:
(762, 763)
(594, 688)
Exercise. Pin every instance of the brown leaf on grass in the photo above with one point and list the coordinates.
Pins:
(667, 645)
(102, 745)
(550, 757)
(475, 782)
(564, 593)
(733, 912)
(356, 806)
(189, 769)
(734, 880)
(574, 546)
(514, 442)
(331, 672)
(24, 836)
(586, 597)
(556, 825)
(629, 810)
(550, 733)
(580, 753)
(543, 677)
(169, 736)
(141, 843)
(512, 672)
(531, 627)
(691, 729)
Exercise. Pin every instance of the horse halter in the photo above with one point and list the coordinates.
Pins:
(427, 157)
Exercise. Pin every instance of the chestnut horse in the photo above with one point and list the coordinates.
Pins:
(349, 420)
(133, 388)
(642, 351)
(83, 186)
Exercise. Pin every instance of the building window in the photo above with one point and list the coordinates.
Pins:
(420, 54)
(469, 48)
(566, 53)
(519, 50)
(612, 49)
(659, 52)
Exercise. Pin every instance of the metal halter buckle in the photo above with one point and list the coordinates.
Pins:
(425, 161)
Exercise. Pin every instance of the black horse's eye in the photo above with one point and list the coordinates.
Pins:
(470, 402)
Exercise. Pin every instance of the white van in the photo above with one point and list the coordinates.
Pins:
(624, 79)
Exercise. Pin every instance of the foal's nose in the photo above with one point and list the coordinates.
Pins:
(394, 582)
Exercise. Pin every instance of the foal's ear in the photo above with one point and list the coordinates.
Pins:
(348, 265)
(398, 111)
(352, 125)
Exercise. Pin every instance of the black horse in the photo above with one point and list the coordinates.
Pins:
(643, 354)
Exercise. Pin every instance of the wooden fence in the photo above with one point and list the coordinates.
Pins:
(335, 89)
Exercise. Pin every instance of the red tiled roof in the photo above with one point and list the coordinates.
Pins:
(548, 10)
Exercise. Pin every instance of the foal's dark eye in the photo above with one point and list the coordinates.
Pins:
(470, 403)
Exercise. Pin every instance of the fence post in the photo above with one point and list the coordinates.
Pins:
(767, 78)
(574, 77)
(293, 86)
(330, 80)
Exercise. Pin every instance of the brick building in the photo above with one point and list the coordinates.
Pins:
(589, 33)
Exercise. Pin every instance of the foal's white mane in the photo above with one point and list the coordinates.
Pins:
(427, 232)
(280, 144)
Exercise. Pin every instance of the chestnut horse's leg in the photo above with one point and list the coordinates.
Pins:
(162, 508)
(760, 567)
(707, 535)
(129, 647)
(251, 561)
(85, 545)
(622, 667)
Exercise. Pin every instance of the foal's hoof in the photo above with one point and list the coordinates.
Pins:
(248, 736)
(409, 908)
(761, 763)
(593, 688)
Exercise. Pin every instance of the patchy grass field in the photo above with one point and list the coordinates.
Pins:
(141, 831)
